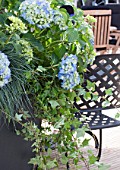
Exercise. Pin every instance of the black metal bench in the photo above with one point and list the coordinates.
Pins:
(105, 72)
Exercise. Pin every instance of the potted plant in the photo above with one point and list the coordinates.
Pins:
(44, 52)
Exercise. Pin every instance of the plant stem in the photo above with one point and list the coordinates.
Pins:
(55, 42)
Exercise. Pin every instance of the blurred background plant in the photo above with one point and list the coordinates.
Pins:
(47, 50)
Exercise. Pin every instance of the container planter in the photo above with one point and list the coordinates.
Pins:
(15, 152)
(44, 51)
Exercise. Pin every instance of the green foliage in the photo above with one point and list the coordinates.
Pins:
(117, 115)
(35, 57)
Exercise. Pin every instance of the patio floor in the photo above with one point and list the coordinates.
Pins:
(110, 148)
(111, 145)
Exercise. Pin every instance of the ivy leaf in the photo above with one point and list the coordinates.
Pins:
(18, 117)
(77, 99)
(59, 123)
(80, 133)
(35, 43)
(92, 159)
(54, 103)
(106, 103)
(41, 69)
(95, 97)
(28, 74)
(90, 86)
(102, 166)
(3, 38)
(62, 102)
(36, 161)
(64, 160)
(72, 96)
(81, 91)
(87, 96)
(51, 164)
(85, 142)
(117, 115)
(108, 92)
(49, 151)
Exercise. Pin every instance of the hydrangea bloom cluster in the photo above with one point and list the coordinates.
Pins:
(37, 12)
(92, 41)
(27, 50)
(16, 25)
(5, 72)
(68, 72)
(59, 20)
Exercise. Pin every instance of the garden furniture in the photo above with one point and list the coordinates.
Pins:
(115, 41)
(105, 73)
(106, 36)
(101, 29)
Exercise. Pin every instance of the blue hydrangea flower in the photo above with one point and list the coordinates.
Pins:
(5, 73)
(37, 12)
(92, 41)
(59, 20)
(68, 72)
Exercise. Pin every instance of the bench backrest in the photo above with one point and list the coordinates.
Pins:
(105, 72)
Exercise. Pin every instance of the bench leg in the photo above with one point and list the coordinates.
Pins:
(95, 139)
(100, 145)
(67, 165)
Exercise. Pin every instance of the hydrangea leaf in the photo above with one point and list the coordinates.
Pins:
(34, 42)
(60, 51)
(3, 18)
(72, 35)
(64, 13)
